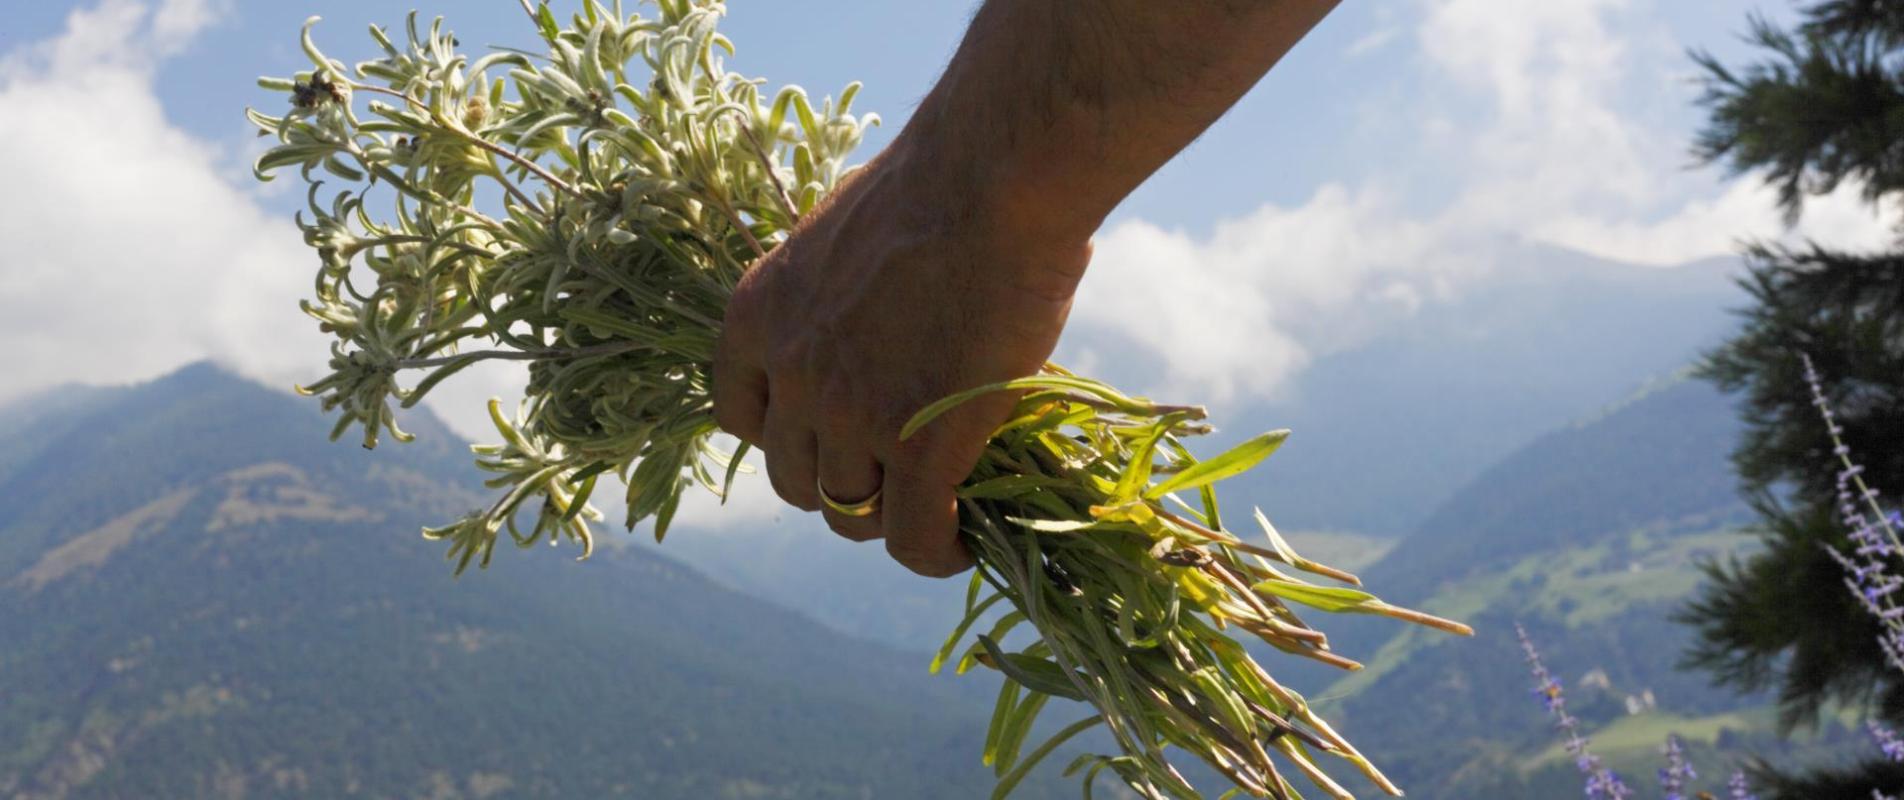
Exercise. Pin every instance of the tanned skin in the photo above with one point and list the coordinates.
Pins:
(950, 260)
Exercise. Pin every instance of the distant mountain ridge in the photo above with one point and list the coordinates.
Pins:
(1386, 431)
(1590, 537)
(1661, 458)
(207, 599)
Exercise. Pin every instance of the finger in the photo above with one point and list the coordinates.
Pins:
(790, 447)
(921, 520)
(740, 398)
(849, 475)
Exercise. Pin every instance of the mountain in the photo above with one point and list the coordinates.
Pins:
(1387, 430)
(1658, 460)
(37, 418)
(1383, 431)
(1590, 537)
(205, 598)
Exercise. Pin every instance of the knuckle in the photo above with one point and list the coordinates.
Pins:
(789, 366)
(782, 361)
(838, 412)
(908, 556)
(922, 561)
(790, 490)
(917, 448)
(733, 421)
(933, 460)
(741, 315)
(852, 529)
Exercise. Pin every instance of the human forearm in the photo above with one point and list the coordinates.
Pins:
(1053, 110)
(950, 260)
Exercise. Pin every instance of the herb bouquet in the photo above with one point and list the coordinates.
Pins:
(588, 210)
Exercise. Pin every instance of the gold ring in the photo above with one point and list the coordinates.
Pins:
(863, 508)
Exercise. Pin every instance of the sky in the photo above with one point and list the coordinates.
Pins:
(1380, 168)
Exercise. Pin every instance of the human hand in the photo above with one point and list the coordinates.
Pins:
(902, 288)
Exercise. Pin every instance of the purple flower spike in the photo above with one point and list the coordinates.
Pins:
(1740, 789)
(1874, 545)
(1602, 783)
(1887, 741)
(1869, 567)
(1678, 774)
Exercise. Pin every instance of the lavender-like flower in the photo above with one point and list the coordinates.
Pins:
(1740, 789)
(1602, 783)
(1892, 746)
(1874, 533)
(1678, 773)
(1874, 543)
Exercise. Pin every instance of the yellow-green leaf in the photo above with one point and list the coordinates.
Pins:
(1234, 461)
(1327, 598)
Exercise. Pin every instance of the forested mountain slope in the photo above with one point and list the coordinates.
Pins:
(205, 598)
(1590, 537)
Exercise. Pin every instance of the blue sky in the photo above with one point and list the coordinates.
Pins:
(896, 49)
(1323, 115)
(1377, 169)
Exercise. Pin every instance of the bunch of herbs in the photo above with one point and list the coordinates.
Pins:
(587, 209)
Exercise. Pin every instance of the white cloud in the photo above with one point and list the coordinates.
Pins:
(129, 248)
(124, 252)
(1746, 210)
(1370, 42)
(1537, 121)
(1244, 309)
(176, 22)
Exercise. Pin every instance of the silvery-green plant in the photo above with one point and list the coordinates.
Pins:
(588, 208)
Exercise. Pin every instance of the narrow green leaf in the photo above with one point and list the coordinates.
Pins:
(733, 468)
(1276, 541)
(1333, 599)
(1003, 626)
(1011, 780)
(1054, 525)
(1008, 692)
(1137, 472)
(665, 516)
(1035, 674)
(430, 381)
(932, 412)
(1012, 486)
(972, 588)
(1232, 462)
(952, 642)
(1210, 516)
(1011, 737)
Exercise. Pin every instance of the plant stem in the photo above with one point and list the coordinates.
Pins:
(613, 348)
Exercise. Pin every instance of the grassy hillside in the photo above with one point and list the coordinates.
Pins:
(206, 599)
(1590, 537)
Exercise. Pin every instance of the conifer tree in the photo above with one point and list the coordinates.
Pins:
(1824, 107)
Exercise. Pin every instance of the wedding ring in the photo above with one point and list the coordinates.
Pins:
(863, 508)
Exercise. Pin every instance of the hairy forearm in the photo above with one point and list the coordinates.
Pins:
(1053, 110)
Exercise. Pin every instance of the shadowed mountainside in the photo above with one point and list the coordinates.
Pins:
(208, 599)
